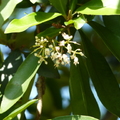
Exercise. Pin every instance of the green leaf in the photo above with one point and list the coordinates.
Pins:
(74, 117)
(60, 5)
(1, 58)
(111, 40)
(102, 77)
(48, 70)
(32, 19)
(20, 82)
(73, 4)
(6, 9)
(9, 68)
(112, 23)
(50, 32)
(78, 22)
(100, 7)
(82, 99)
(19, 110)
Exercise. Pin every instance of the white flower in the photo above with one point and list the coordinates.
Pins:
(57, 63)
(62, 43)
(66, 36)
(76, 61)
(50, 46)
(66, 59)
(53, 56)
(47, 51)
(57, 48)
(69, 48)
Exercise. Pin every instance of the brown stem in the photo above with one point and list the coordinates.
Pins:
(41, 90)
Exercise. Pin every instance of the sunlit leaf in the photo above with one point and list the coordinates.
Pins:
(60, 5)
(78, 22)
(32, 19)
(74, 117)
(102, 77)
(20, 82)
(6, 9)
(82, 99)
(100, 7)
(38, 1)
(19, 110)
(111, 40)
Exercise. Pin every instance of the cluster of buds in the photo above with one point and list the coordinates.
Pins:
(55, 50)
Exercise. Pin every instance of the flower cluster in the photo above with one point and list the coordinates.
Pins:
(55, 50)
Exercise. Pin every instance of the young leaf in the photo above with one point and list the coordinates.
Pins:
(100, 7)
(74, 117)
(19, 110)
(111, 40)
(20, 82)
(6, 9)
(82, 99)
(35, 18)
(60, 5)
(102, 77)
(78, 22)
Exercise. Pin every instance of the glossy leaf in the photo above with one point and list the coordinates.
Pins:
(9, 67)
(19, 110)
(100, 7)
(32, 19)
(102, 77)
(111, 40)
(6, 9)
(60, 5)
(20, 82)
(78, 22)
(112, 23)
(82, 99)
(74, 117)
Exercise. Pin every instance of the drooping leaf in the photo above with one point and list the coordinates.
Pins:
(82, 99)
(102, 77)
(78, 22)
(6, 9)
(111, 40)
(8, 69)
(74, 117)
(100, 7)
(60, 5)
(112, 23)
(20, 82)
(32, 19)
(19, 110)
